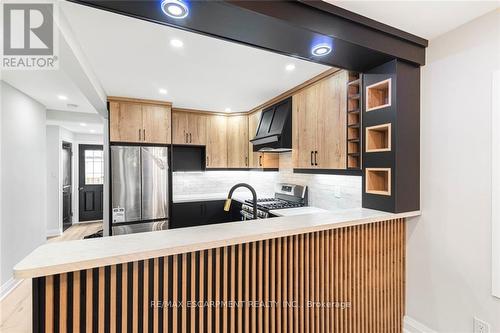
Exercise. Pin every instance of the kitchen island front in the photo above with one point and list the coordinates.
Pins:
(339, 271)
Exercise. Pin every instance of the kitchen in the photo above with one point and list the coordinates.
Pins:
(256, 140)
(259, 145)
(252, 148)
(242, 166)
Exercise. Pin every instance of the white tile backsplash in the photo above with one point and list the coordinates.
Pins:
(325, 191)
(193, 183)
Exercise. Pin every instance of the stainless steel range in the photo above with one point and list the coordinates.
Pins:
(285, 196)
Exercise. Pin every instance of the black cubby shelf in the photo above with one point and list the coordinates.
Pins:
(391, 137)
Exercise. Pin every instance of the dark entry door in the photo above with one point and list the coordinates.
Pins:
(91, 178)
(67, 184)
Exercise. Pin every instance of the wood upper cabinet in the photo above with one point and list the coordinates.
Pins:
(304, 124)
(319, 124)
(188, 128)
(197, 128)
(332, 122)
(237, 142)
(179, 127)
(254, 158)
(138, 122)
(216, 149)
(156, 123)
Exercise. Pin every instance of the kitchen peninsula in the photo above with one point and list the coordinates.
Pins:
(331, 120)
(354, 256)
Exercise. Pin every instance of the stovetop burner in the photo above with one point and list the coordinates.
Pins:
(274, 203)
(285, 196)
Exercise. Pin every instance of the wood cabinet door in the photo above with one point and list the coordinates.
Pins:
(179, 127)
(237, 142)
(332, 118)
(125, 124)
(270, 160)
(254, 158)
(197, 128)
(156, 123)
(216, 149)
(305, 120)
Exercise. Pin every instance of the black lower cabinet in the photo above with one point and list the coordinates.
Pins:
(190, 214)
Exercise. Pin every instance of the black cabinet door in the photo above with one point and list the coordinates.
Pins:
(187, 214)
(215, 212)
(190, 214)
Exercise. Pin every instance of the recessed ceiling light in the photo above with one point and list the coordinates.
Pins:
(321, 49)
(176, 43)
(290, 67)
(227, 109)
(83, 124)
(162, 91)
(176, 9)
(92, 131)
(62, 97)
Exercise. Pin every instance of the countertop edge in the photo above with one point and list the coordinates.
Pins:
(21, 273)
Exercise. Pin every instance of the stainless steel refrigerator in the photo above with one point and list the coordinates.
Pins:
(139, 189)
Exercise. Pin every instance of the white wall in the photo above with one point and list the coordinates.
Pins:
(23, 177)
(54, 172)
(325, 191)
(449, 246)
(56, 135)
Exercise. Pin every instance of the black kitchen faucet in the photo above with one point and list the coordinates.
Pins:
(254, 198)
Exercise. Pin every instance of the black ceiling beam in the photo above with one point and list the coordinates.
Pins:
(327, 19)
(289, 28)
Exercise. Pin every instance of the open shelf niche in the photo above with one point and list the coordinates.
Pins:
(378, 95)
(378, 138)
(378, 181)
(354, 89)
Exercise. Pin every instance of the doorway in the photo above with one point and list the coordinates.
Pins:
(67, 182)
(90, 182)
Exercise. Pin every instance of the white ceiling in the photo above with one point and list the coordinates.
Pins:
(426, 19)
(134, 58)
(95, 129)
(76, 122)
(46, 86)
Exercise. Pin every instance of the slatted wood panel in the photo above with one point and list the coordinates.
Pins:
(341, 280)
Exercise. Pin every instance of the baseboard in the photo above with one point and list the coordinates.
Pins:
(411, 325)
(53, 233)
(8, 286)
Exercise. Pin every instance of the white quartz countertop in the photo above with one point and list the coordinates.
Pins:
(61, 257)
(297, 211)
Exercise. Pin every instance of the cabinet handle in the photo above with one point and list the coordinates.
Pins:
(316, 157)
(246, 161)
(208, 161)
(260, 160)
(312, 154)
(187, 138)
(139, 134)
(143, 134)
(190, 138)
